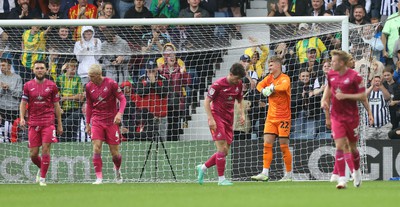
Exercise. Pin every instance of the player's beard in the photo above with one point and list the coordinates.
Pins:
(39, 78)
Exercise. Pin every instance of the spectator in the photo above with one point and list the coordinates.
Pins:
(3, 42)
(386, 9)
(168, 50)
(230, 6)
(76, 133)
(182, 36)
(71, 93)
(23, 11)
(299, 7)
(376, 69)
(347, 7)
(313, 42)
(128, 118)
(70, 88)
(390, 34)
(194, 10)
(66, 5)
(54, 67)
(318, 86)
(123, 6)
(87, 51)
(108, 11)
(166, 8)
(394, 90)
(6, 8)
(34, 46)
(317, 8)
(10, 94)
(251, 75)
(359, 16)
(258, 60)
(155, 39)
(304, 125)
(54, 10)
(82, 10)
(396, 75)
(396, 49)
(60, 39)
(287, 56)
(116, 63)
(138, 10)
(330, 5)
(313, 65)
(178, 80)
(242, 131)
(378, 98)
(280, 9)
(152, 96)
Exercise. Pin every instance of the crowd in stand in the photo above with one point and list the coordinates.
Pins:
(374, 46)
(161, 72)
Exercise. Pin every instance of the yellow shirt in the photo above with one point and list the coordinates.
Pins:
(259, 67)
(303, 45)
(34, 45)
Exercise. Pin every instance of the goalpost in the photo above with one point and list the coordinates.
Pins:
(170, 131)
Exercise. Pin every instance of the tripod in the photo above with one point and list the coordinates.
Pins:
(157, 139)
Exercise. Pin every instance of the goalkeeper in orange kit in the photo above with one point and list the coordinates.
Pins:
(276, 86)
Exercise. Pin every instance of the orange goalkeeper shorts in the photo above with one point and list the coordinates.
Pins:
(280, 128)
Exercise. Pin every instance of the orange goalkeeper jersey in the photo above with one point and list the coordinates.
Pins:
(279, 100)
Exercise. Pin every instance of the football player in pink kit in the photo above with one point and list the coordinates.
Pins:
(345, 88)
(42, 98)
(103, 119)
(219, 106)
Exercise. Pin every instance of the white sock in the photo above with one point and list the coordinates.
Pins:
(204, 168)
(42, 180)
(265, 171)
(221, 178)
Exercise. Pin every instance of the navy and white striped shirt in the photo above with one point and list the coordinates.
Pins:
(388, 7)
(379, 108)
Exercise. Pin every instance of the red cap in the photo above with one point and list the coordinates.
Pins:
(126, 83)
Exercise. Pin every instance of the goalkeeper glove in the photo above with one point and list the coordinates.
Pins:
(267, 91)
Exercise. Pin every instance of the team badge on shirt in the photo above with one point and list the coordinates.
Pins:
(47, 90)
(211, 91)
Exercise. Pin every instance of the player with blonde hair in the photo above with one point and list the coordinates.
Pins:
(276, 86)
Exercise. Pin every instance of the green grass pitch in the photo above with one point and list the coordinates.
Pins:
(244, 194)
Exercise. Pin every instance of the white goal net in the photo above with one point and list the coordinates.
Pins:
(165, 127)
